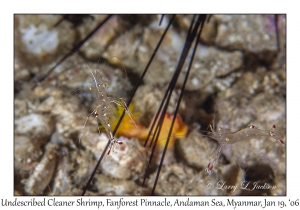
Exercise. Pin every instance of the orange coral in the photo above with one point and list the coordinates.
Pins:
(179, 130)
(128, 129)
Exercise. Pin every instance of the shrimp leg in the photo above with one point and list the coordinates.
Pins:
(94, 111)
(122, 103)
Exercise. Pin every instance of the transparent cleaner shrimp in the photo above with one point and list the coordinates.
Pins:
(104, 110)
(225, 138)
(242, 98)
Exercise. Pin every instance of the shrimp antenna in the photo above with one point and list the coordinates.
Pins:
(120, 62)
(70, 53)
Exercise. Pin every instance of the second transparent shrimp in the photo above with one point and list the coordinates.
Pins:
(225, 138)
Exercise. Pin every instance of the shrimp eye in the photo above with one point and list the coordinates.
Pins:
(209, 166)
(252, 126)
